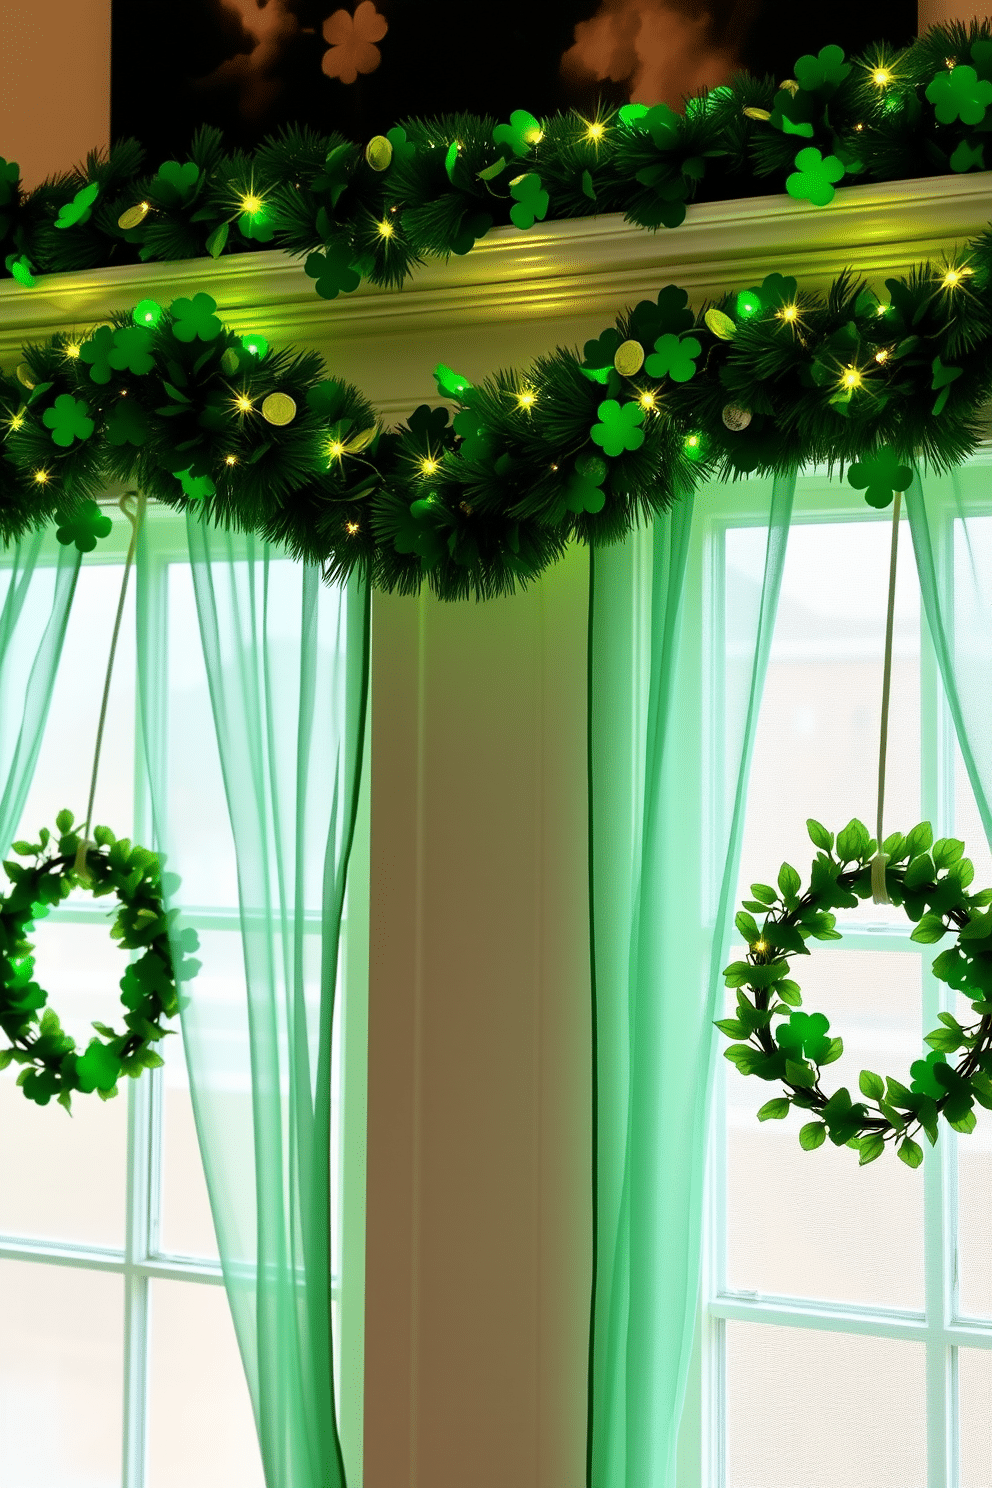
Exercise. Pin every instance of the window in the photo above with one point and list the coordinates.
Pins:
(118, 1359)
(846, 1313)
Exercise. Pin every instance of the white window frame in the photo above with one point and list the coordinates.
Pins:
(142, 1260)
(940, 1327)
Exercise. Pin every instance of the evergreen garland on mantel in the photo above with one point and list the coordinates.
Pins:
(434, 187)
(767, 379)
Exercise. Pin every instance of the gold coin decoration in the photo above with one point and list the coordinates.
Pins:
(279, 409)
(629, 358)
(735, 417)
(134, 216)
(756, 113)
(721, 325)
(24, 376)
(379, 153)
(361, 440)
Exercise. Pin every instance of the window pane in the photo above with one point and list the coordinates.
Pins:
(82, 1156)
(974, 1395)
(66, 759)
(813, 1223)
(201, 1432)
(825, 1410)
(816, 751)
(61, 1377)
(185, 1223)
(974, 1154)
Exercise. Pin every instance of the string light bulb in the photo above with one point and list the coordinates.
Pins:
(352, 528)
(243, 403)
(385, 228)
(882, 355)
(648, 401)
(335, 450)
(251, 203)
(789, 313)
(881, 77)
(42, 477)
(72, 350)
(851, 378)
(595, 129)
(17, 420)
(533, 136)
(955, 274)
(230, 459)
(526, 398)
(760, 947)
(429, 466)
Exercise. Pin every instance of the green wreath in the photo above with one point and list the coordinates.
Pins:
(52, 1065)
(930, 880)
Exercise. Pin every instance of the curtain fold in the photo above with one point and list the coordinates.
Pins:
(286, 661)
(37, 599)
(658, 839)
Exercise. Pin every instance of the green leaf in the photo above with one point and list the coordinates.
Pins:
(732, 1027)
(812, 1135)
(775, 1110)
(871, 1085)
(920, 839)
(871, 1148)
(920, 871)
(747, 927)
(786, 938)
(835, 1050)
(819, 835)
(944, 1039)
(911, 1152)
(790, 993)
(947, 851)
(799, 1073)
(930, 929)
(852, 842)
(764, 892)
(788, 880)
(64, 821)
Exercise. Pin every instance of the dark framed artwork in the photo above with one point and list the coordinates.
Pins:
(252, 66)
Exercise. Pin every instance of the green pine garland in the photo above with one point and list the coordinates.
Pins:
(766, 380)
(434, 187)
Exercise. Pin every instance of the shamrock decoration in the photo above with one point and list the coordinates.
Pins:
(127, 423)
(195, 486)
(619, 427)
(532, 201)
(108, 351)
(823, 73)
(19, 267)
(942, 379)
(474, 225)
(814, 177)
(351, 42)
(959, 95)
(674, 356)
(599, 356)
(403, 149)
(476, 439)
(175, 184)
(80, 209)
(416, 533)
(805, 1035)
(451, 384)
(669, 313)
(925, 1080)
(82, 526)
(195, 319)
(583, 491)
(521, 134)
(966, 157)
(879, 477)
(333, 270)
(68, 420)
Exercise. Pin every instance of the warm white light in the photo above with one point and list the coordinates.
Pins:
(385, 228)
(42, 477)
(881, 77)
(526, 398)
(351, 528)
(648, 401)
(335, 449)
(594, 130)
(851, 378)
(72, 350)
(243, 403)
(789, 313)
(252, 204)
(429, 466)
(231, 460)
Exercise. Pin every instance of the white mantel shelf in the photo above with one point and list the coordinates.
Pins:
(590, 266)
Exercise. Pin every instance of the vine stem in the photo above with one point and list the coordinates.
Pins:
(879, 892)
(136, 518)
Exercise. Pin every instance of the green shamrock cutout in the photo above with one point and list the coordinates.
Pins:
(805, 1034)
(619, 427)
(521, 134)
(959, 95)
(429, 426)
(474, 225)
(814, 177)
(82, 526)
(127, 423)
(333, 270)
(195, 319)
(451, 384)
(10, 174)
(794, 113)
(777, 290)
(942, 379)
(195, 486)
(675, 357)
(583, 491)
(416, 533)
(96, 352)
(966, 157)
(132, 350)
(925, 1081)
(175, 184)
(669, 313)
(599, 356)
(19, 267)
(80, 209)
(403, 149)
(476, 439)
(532, 201)
(880, 477)
(256, 224)
(68, 420)
(663, 124)
(823, 73)
(632, 114)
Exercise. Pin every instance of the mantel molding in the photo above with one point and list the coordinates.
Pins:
(590, 267)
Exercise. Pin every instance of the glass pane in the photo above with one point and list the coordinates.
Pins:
(816, 751)
(63, 774)
(204, 1437)
(974, 1154)
(825, 1410)
(185, 1223)
(974, 1395)
(61, 1377)
(83, 1155)
(814, 1224)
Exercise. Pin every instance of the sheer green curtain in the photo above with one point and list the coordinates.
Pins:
(286, 660)
(668, 784)
(953, 548)
(37, 597)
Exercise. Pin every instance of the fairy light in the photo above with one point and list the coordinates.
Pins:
(789, 313)
(748, 304)
(851, 378)
(882, 356)
(881, 77)
(595, 129)
(648, 401)
(251, 203)
(533, 136)
(230, 460)
(352, 528)
(429, 466)
(42, 477)
(16, 420)
(760, 947)
(243, 403)
(335, 449)
(955, 274)
(526, 398)
(385, 228)
(72, 350)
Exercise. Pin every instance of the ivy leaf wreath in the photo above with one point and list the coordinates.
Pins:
(52, 1065)
(930, 880)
